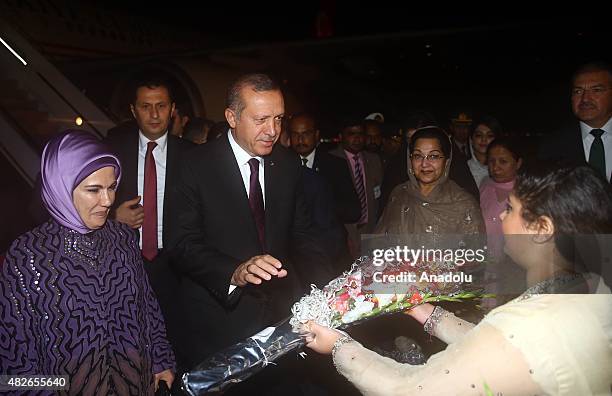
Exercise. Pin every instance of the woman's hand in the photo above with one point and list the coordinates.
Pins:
(320, 338)
(166, 375)
(421, 312)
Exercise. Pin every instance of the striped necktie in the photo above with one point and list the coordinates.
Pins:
(360, 188)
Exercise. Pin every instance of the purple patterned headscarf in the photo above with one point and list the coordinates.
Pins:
(67, 160)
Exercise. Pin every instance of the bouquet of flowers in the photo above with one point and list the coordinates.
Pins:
(364, 292)
(368, 290)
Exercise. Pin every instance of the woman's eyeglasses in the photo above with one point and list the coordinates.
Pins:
(430, 157)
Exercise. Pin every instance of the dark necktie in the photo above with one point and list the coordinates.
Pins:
(256, 202)
(149, 224)
(597, 156)
(305, 162)
(361, 193)
(466, 150)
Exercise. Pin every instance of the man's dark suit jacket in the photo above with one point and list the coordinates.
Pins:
(565, 146)
(336, 172)
(213, 232)
(317, 192)
(124, 145)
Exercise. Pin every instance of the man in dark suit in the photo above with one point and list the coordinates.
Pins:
(150, 159)
(367, 174)
(326, 177)
(460, 127)
(305, 137)
(591, 140)
(240, 220)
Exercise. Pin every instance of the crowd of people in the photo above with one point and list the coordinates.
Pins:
(176, 237)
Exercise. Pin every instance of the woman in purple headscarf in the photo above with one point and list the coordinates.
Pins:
(74, 296)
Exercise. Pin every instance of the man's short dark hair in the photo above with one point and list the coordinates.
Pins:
(347, 121)
(150, 79)
(183, 108)
(375, 123)
(258, 82)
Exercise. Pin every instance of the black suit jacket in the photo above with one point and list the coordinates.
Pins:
(213, 232)
(317, 192)
(336, 171)
(124, 143)
(564, 145)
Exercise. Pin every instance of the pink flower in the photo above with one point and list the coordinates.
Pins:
(343, 297)
(341, 306)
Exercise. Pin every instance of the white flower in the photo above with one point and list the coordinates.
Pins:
(384, 299)
(361, 307)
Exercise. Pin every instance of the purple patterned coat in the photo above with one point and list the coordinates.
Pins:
(81, 305)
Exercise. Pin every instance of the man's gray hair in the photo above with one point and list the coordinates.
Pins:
(258, 82)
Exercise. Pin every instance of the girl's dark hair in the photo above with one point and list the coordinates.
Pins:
(577, 200)
(432, 132)
(509, 144)
(491, 122)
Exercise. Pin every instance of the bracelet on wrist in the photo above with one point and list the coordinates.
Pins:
(339, 342)
(436, 316)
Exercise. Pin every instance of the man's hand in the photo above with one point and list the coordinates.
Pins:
(257, 269)
(130, 213)
(166, 375)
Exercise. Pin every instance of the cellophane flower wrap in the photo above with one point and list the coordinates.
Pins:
(353, 297)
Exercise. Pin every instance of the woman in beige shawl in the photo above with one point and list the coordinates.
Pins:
(430, 203)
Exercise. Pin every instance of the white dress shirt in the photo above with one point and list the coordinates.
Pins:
(606, 137)
(479, 171)
(160, 154)
(242, 159)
